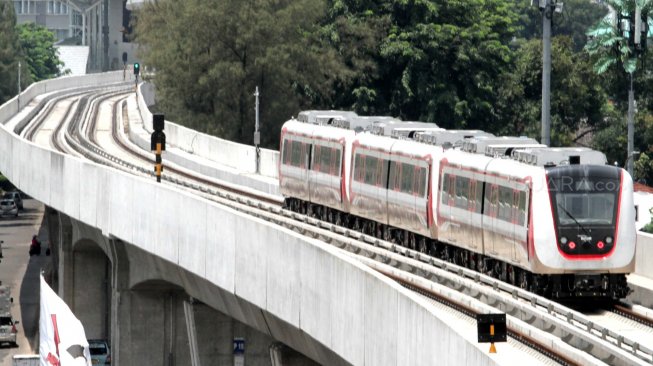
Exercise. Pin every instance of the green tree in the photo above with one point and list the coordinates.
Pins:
(435, 61)
(209, 56)
(577, 103)
(9, 53)
(41, 55)
(577, 16)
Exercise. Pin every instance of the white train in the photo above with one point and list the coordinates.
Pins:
(556, 221)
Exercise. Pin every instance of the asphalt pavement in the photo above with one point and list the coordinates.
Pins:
(20, 272)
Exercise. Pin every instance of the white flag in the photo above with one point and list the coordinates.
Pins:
(62, 338)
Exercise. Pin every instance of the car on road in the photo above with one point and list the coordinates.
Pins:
(8, 207)
(8, 329)
(100, 352)
(14, 196)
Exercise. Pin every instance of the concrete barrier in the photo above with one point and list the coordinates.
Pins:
(224, 152)
(643, 265)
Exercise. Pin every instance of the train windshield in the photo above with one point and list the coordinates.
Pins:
(584, 200)
(585, 208)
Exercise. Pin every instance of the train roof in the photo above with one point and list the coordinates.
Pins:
(387, 128)
(497, 146)
(553, 156)
(361, 124)
(447, 137)
(404, 147)
(318, 117)
(321, 131)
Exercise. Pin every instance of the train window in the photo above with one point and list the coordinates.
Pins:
(445, 189)
(462, 192)
(370, 170)
(522, 209)
(325, 159)
(384, 173)
(392, 176)
(335, 162)
(296, 154)
(421, 182)
(479, 196)
(358, 168)
(407, 174)
(317, 150)
(505, 203)
(491, 200)
(286, 151)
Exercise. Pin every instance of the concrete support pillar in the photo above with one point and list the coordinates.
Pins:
(65, 258)
(91, 282)
(152, 329)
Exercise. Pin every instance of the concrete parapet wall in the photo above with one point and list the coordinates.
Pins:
(228, 153)
(643, 265)
(333, 301)
(10, 108)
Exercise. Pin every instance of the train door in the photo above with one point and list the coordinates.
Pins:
(504, 226)
(473, 206)
(521, 225)
(421, 199)
(490, 211)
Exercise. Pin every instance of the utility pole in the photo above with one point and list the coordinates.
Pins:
(547, 14)
(631, 127)
(105, 36)
(257, 136)
(19, 85)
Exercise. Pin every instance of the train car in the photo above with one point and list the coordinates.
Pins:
(390, 182)
(313, 165)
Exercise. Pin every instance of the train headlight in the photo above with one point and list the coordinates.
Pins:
(600, 245)
(608, 240)
(563, 240)
(572, 245)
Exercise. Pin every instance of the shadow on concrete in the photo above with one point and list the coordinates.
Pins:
(29, 294)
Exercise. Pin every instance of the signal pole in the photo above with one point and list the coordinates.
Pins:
(158, 143)
(18, 86)
(257, 136)
(547, 14)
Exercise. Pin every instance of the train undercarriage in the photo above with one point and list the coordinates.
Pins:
(571, 287)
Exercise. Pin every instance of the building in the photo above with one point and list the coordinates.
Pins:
(99, 27)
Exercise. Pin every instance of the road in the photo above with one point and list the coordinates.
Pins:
(21, 272)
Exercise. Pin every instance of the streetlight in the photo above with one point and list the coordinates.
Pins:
(547, 7)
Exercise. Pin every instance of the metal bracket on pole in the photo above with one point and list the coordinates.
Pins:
(192, 332)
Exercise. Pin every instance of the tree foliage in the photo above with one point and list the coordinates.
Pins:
(41, 55)
(209, 56)
(10, 52)
(420, 69)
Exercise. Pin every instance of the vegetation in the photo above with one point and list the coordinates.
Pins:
(42, 57)
(10, 53)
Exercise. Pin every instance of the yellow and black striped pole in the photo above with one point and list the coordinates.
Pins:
(158, 167)
(158, 143)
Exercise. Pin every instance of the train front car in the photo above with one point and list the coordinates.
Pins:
(590, 245)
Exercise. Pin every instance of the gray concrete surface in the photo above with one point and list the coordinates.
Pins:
(21, 272)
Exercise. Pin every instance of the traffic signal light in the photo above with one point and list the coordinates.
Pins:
(137, 68)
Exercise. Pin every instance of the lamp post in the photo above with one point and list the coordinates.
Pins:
(547, 7)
